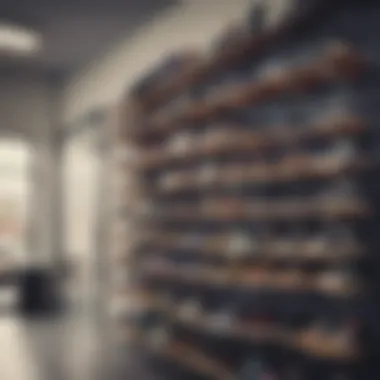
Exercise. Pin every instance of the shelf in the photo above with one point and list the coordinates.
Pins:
(325, 348)
(233, 209)
(291, 169)
(253, 280)
(337, 62)
(188, 357)
(229, 139)
(257, 334)
(197, 361)
(312, 343)
(267, 252)
(317, 346)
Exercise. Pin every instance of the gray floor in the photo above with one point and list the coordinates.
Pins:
(73, 346)
(64, 348)
(69, 348)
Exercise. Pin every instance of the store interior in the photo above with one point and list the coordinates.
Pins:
(188, 190)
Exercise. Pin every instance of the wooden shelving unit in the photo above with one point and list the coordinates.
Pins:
(232, 139)
(337, 63)
(241, 209)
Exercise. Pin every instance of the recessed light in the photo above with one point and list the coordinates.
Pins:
(16, 39)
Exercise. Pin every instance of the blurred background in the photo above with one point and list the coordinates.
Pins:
(144, 234)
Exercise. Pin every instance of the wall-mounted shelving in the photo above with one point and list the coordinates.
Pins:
(256, 201)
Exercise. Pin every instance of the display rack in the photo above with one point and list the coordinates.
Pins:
(254, 205)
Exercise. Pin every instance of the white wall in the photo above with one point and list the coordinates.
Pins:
(80, 180)
(28, 110)
(14, 196)
(26, 103)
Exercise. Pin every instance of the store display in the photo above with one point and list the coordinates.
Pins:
(257, 199)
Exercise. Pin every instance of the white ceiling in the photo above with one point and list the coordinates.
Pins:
(76, 32)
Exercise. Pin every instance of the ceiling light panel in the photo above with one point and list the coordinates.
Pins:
(15, 39)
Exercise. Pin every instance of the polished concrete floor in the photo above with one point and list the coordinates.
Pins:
(69, 347)
(59, 349)
(64, 350)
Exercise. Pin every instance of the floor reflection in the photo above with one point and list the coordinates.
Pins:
(62, 348)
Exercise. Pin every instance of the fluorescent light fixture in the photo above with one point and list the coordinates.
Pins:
(16, 39)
